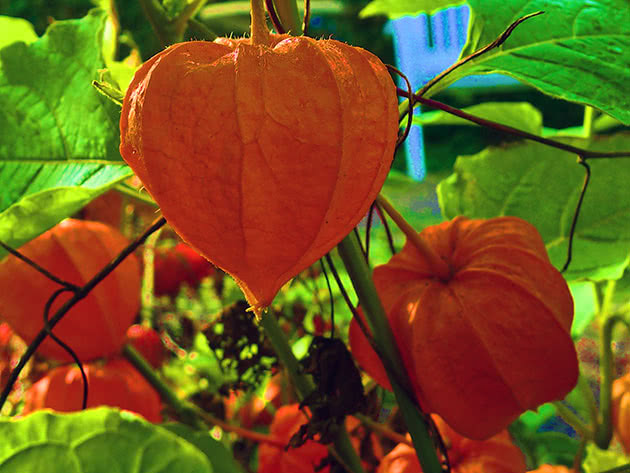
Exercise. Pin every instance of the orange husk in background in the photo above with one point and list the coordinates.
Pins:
(552, 469)
(115, 383)
(262, 157)
(620, 410)
(74, 251)
(495, 455)
(490, 340)
(304, 459)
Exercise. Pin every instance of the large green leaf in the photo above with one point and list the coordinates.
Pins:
(16, 29)
(94, 441)
(542, 185)
(59, 140)
(219, 456)
(399, 8)
(521, 115)
(579, 50)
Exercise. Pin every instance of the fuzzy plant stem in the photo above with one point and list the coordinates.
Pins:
(360, 274)
(259, 31)
(439, 267)
(304, 385)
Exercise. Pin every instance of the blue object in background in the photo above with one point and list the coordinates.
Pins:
(424, 46)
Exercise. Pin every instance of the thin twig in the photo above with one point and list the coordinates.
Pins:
(368, 229)
(275, 18)
(332, 300)
(587, 178)
(495, 44)
(411, 103)
(388, 231)
(63, 344)
(584, 153)
(81, 293)
(356, 233)
(307, 16)
(34, 265)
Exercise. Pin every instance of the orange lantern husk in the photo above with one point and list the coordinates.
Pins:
(492, 339)
(74, 251)
(498, 454)
(262, 157)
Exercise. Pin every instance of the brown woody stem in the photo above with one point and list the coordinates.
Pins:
(439, 267)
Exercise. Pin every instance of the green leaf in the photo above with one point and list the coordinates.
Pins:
(542, 185)
(60, 137)
(219, 456)
(399, 8)
(93, 441)
(598, 460)
(550, 447)
(533, 420)
(416, 201)
(585, 302)
(521, 115)
(16, 29)
(579, 50)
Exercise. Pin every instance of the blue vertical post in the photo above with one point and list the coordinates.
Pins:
(424, 46)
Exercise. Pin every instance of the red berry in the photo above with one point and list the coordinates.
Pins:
(177, 265)
(149, 343)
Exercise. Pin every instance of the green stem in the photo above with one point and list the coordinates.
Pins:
(604, 431)
(289, 16)
(360, 275)
(587, 395)
(181, 22)
(185, 411)
(147, 292)
(304, 385)
(587, 126)
(573, 420)
(190, 413)
(159, 21)
(439, 267)
(302, 382)
(201, 31)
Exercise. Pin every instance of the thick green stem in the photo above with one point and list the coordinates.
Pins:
(187, 412)
(439, 267)
(573, 420)
(360, 274)
(304, 385)
(587, 394)
(587, 126)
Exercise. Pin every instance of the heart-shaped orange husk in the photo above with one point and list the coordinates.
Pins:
(261, 157)
(490, 341)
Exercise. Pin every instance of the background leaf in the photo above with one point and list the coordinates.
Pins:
(16, 29)
(585, 303)
(94, 440)
(219, 456)
(398, 8)
(598, 460)
(579, 50)
(542, 185)
(521, 115)
(60, 137)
